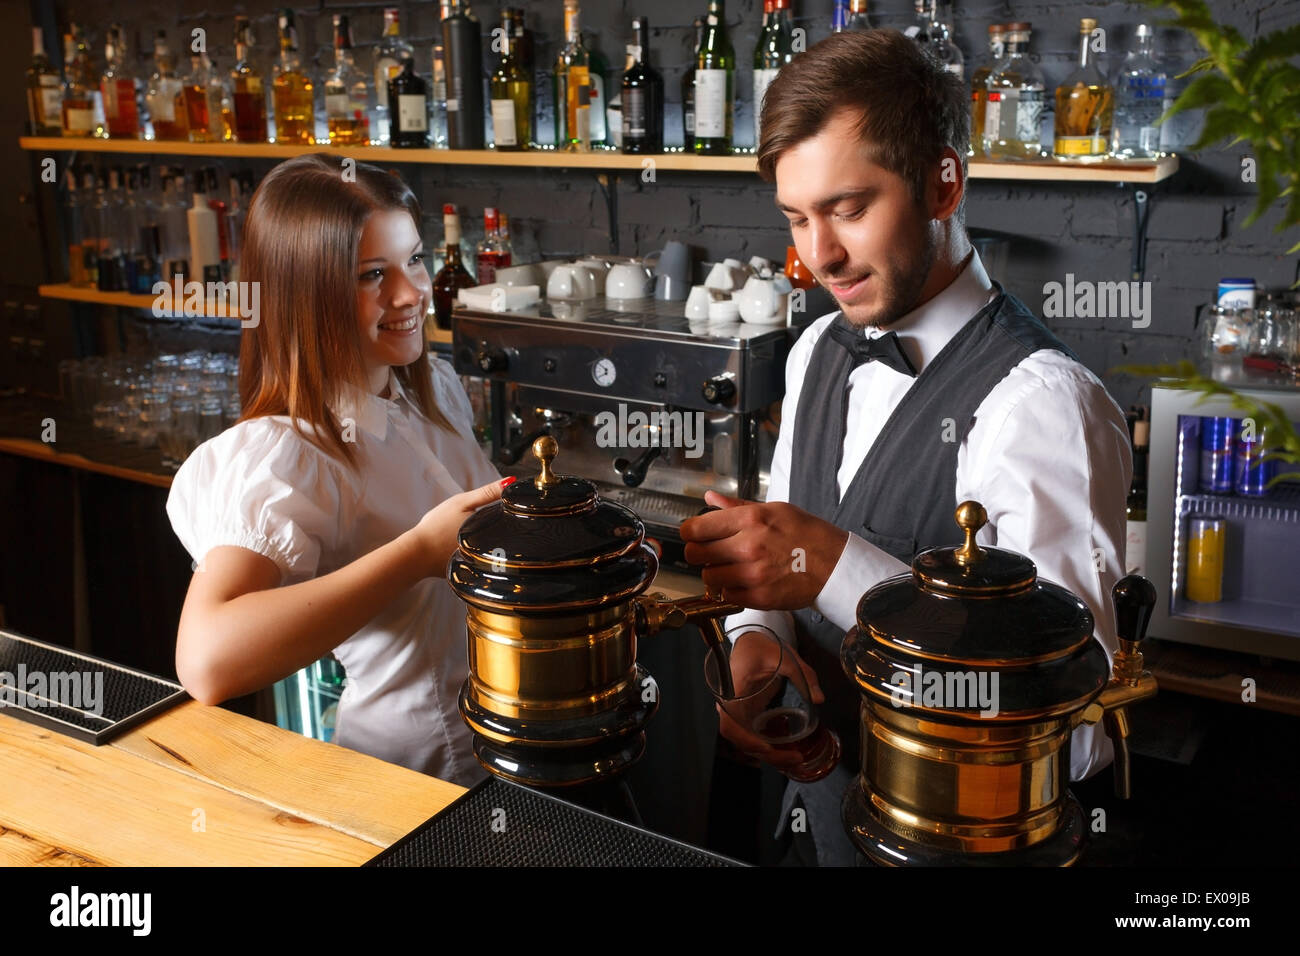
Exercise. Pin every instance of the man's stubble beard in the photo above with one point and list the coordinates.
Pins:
(903, 295)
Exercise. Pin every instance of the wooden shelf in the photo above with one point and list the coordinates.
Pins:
(1047, 170)
(27, 448)
(130, 300)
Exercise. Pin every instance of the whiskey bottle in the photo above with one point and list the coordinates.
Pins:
(452, 277)
(979, 90)
(292, 90)
(117, 88)
(246, 89)
(392, 51)
(573, 87)
(204, 95)
(1085, 106)
(166, 94)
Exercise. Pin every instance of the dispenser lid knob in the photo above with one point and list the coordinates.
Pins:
(545, 449)
(971, 516)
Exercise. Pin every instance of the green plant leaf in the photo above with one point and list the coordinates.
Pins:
(1206, 90)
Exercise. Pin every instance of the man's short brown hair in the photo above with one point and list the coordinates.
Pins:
(911, 107)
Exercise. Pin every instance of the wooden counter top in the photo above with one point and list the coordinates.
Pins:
(199, 785)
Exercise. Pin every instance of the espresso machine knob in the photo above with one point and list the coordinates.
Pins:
(491, 360)
(719, 390)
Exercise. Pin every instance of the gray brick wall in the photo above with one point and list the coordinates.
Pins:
(1195, 233)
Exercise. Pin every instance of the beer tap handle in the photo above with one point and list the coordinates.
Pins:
(1135, 600)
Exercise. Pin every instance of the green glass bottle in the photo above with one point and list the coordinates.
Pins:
(512, 93)
(715, 73)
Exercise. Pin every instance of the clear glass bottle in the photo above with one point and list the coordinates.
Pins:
(44, 92)
(511, 93)
(75, 205)
(117, 88)
(1016, 97)
(292, 89)
(79, 87)
(933, 30)
(246, 88)
(90, 234)
(979, 90)
(1085, 106)
(715, 73)
(166, 94)
(389, 56)
(573, 86)
(596, 75)
(348, 100)
(1140, 96)
(204, 96)
(438, 135)
(839, 16)
(857, 20)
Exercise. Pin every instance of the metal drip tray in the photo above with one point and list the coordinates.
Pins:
(502, 824)
(84, 697)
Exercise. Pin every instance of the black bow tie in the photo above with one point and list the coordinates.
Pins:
(885, 349)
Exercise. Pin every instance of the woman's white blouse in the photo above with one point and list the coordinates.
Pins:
(259, 485)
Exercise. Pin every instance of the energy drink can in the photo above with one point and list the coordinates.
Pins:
(1206, 545)
(1252, 472)
(1217, 460)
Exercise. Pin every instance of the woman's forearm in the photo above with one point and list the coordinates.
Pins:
(234, 647)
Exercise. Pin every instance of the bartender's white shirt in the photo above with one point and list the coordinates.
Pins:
(1047, 456)
(259, 485)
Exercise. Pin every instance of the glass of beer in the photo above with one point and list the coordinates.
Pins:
(764, 705)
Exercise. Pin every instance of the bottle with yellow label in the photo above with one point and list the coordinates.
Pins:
(1085, 105)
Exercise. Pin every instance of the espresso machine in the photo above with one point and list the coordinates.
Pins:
(651, 408)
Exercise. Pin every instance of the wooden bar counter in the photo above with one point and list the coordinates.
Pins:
(198, 785)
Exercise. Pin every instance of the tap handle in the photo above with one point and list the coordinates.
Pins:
(1135, 600)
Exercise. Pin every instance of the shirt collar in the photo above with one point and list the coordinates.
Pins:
(925, 330)
(369, 412)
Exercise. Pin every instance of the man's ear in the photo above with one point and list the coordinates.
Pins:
(947, 185)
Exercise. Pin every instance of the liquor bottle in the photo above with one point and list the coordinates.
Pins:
(148, 230)
(246, 89)
(688, 89)
(76, 206)
(1136, 505)
(78, 95)
(491, 254)
(573, 87)
(408, 108)
(525, 53)
(839, 17)
(220, 209)
(597, 73)
(348, 103)
(1085, 105)
(503, 233)
(462, 49)
(175, 227)
(1139, 100)
(857, 20)
(642, 96)
(512, 93)
(204, 94)
(715, 70)
(438, 100)
(166, 94)
(979, 90)
(204, 234)
(44, 92)
(452, 277)
(292, 90)
(89, 227)
(933, 31)
(775, 49)
(393, 50)
(117, 88)
(1013, 116)
(110, 231)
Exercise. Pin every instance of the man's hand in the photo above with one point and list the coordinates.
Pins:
(753, 661)
(770, 556)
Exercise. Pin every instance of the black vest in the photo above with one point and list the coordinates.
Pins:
(901, 499)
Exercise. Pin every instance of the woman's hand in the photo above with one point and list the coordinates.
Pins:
(435, 535)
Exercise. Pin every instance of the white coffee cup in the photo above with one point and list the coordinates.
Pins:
(550, 265)
(629, 280)
(530, 273)
(697, 303)
(599, 269)
(721, 278)
(570, 282)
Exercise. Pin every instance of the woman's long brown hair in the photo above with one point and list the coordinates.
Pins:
(300, 243)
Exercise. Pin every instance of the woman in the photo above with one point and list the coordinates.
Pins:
(325, 518)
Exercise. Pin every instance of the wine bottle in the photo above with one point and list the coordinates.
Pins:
(452, 277)
(643, 96)
(715, 69)
(408, 108)
(44, 93)
(512, 93)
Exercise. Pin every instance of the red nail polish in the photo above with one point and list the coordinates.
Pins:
(508, 481)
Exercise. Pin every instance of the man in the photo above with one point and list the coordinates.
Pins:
(965, 395)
